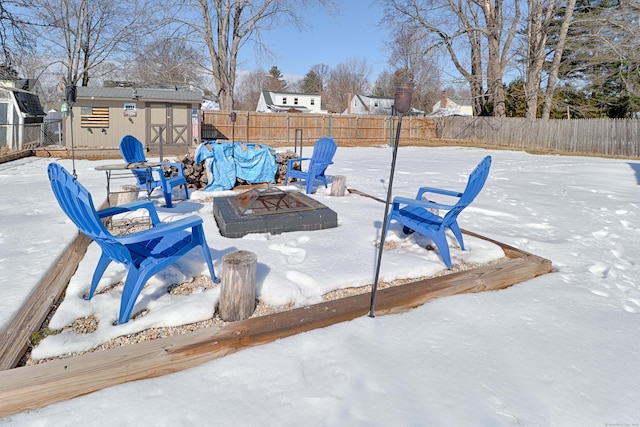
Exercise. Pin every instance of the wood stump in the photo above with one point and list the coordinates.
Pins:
(238, 289)
(339, 185)
(127, 194)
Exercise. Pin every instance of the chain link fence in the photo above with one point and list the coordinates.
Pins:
(29, 136)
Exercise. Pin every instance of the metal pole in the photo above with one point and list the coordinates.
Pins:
(402, 105)
(374, 290)
(73, 153)
(71, 95)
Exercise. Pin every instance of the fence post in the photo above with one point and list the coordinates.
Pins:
(295, 142)
(390, 131)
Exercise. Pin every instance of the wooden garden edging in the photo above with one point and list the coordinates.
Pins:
(14, 340)
(36, 386)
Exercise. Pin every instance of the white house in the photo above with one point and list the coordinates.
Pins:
(374, 105)
(276, 102)
(21, 115)
(450, 107)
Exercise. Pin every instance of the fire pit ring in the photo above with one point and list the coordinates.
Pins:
(270, 210)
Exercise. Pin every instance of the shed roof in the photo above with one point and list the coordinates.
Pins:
(142, 94)
(28, 102)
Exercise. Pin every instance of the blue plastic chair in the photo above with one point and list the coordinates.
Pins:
(133, 152)
(414, 216)
(144, 253)
(321, 158)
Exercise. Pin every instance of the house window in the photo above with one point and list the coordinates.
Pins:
(375, 104)
(284, 100)
(295, 101)
(94, 117)
(313, 101)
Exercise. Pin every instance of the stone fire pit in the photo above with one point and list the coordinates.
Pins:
(270, 210)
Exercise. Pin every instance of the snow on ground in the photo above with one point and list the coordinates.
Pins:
(558, 350)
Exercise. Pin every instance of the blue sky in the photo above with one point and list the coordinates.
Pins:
(354, 32)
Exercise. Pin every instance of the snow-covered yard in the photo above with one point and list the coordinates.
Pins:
(556, 350)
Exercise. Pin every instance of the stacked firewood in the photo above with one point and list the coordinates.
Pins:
(196, 173)
(282, 159)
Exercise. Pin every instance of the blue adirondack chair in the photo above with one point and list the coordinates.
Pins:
(133, 152)
(414, 216)
(321, 158)
(144, 253)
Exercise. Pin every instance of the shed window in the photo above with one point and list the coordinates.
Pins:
(94, 117)
(313, 101)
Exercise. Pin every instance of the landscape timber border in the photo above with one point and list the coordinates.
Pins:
(30, 387)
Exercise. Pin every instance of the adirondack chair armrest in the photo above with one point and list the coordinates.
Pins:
(290, 162)
(129, 207)
(161, 230)
(433, 190)
(422, 203)
(177, 165)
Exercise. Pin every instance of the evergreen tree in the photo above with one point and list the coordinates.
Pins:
(275, 81)
(312, 83)
(603, 57)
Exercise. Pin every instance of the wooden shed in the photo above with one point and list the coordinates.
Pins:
(101, 116)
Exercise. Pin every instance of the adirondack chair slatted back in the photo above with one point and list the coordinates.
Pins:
(77, 204)
(475, 182)
(322, 157)
(133, 152)
(131, 149)
(323, 151)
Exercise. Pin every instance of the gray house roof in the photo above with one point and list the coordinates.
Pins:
(142, 94)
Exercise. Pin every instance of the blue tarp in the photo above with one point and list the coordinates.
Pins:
(225, 162)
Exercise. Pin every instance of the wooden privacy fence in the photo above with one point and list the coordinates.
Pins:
(602, 137)
(284, 127)
(608, 137)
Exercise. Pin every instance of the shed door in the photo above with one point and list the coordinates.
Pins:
(180, 122)
(170, 120)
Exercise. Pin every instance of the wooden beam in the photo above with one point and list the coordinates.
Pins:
(32, 387)
(14, 340)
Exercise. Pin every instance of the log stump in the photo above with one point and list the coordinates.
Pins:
(339, 185)
(238, 289)
(127, 194)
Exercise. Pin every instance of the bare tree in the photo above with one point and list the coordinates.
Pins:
(14, 38)
(411, 58)
(385, 84)
(348, 77)
(12, 32)
(557, 58)
(481, 29)
(227, 25)
(541, 22)
(323, 71)
(168, 60)
(87, 33)
(248, 90)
